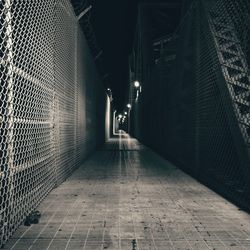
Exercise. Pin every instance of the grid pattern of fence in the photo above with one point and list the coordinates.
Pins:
(50, 101)
(199, 101)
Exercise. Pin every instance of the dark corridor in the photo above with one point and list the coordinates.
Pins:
(125, 124)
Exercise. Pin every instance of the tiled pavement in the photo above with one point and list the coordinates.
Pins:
(126, 197)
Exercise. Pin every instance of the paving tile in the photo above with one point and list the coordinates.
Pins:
(58, 244)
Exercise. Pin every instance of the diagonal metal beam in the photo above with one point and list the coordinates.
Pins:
(85, 11)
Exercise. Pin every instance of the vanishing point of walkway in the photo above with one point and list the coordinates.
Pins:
(127, 197)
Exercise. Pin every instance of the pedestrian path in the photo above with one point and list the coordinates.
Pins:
(126, 197)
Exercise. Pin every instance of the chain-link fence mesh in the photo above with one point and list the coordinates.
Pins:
(50, 101)
(195, 105)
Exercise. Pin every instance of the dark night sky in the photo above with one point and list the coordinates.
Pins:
(114, 22)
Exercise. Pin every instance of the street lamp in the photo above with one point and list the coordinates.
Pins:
(136, 84)
(129, 106)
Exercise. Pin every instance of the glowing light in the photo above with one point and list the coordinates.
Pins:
(129, 106)
(136, 84)
(120, 116)
(125, 113)
(108, 89)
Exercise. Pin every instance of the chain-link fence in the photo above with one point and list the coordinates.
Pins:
(50, 101)
(195, 108)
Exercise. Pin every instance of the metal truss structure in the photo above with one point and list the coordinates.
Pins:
(83, 11)
(234, 65)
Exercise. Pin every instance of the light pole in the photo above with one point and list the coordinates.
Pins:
(129, 108)
(137, 87)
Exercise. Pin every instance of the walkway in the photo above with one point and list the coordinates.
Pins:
(127, 197)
